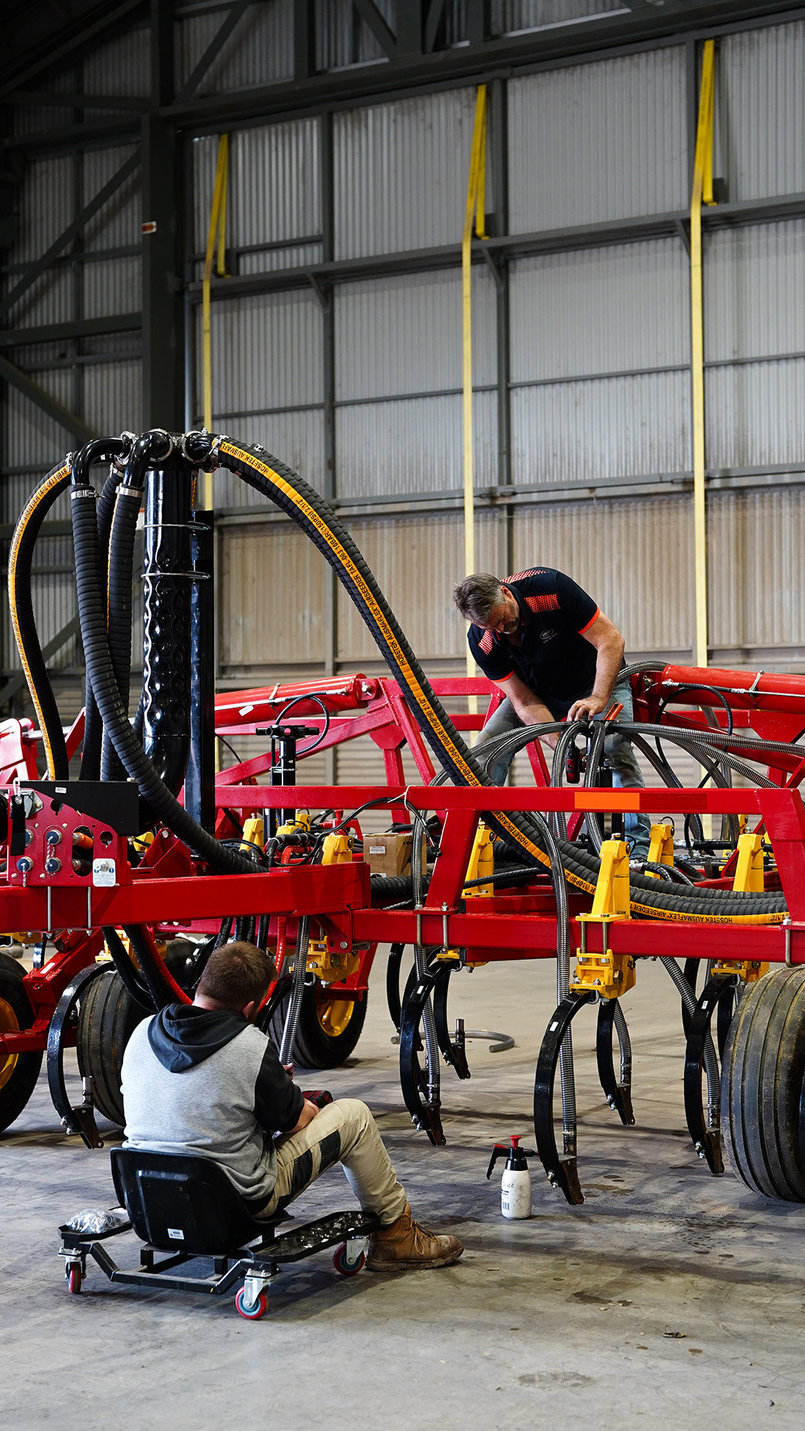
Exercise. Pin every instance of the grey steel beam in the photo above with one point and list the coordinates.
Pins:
(213, 50)
(47, 404)
(499, 221)
(432, 22)
(163, 308)
(18, 681)
(77, 329)
(612, 34)
(478, 22)
(304, 40)
(507, 246)
(71, 232)
(163, 322)
(161, 52)
(378, 25)
(58, 99)
(572, 44)
(411, 27)
(56, 52)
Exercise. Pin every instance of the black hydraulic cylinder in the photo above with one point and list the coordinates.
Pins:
(168, 582)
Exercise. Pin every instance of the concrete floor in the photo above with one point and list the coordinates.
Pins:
(670, 1299)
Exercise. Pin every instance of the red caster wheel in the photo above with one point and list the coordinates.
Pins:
(74, 1278)
(345, 1264)
(252, 1311)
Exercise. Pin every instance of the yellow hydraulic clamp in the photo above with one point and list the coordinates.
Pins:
(332, 965)
(748, 877)
(607, 974)
(661, 847)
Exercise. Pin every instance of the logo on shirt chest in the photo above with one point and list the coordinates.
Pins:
(548, 634)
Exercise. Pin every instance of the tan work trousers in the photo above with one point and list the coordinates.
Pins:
(344, 1132)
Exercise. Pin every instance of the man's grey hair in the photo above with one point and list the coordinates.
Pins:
(477, 596)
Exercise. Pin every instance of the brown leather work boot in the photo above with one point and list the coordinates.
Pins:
(406, 1245)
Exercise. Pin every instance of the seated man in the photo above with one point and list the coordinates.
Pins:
(200, 1078)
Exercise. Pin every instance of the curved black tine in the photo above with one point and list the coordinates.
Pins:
(618, 1094)
(393, 983)
(81, 1119)
(453, 1050)
(421, 1091)
(561, 1171)
(690, 969)
(706, 1134)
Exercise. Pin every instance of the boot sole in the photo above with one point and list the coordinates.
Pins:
(402, 1265)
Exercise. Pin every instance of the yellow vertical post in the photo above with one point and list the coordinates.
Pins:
(474, 211)
(216, 233)
(702, 188)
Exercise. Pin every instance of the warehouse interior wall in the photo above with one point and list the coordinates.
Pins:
(335, 334)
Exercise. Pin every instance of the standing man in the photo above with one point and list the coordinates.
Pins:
(555, 656)
(200, 1078)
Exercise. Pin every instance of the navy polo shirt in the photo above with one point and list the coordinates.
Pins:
(553, 658)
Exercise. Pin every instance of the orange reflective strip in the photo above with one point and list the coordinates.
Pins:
(602, 800)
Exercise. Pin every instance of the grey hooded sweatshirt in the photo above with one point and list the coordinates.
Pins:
(206, 1081)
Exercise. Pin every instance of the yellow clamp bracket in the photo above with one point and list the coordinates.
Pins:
(301, 821)
(607, 974)
(748, 970)
(660, 848)
(331, 965)
(748, 877)
(254, 832)
(481, 864)
(337, 850)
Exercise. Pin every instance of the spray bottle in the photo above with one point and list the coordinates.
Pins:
(515, 1185)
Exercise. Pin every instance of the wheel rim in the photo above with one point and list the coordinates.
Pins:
(333, 1013)
(9, 1023)
(254, 1310)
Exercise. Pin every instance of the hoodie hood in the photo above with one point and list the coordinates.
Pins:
(183, 1035)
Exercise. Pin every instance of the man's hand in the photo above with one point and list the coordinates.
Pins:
(587, 707)
(309, 1111)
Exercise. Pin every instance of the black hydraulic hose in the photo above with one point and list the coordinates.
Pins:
(308, 509)
(20, 563)
(161, 984)
(115, 715)
(93, 725)
(119, 605)
(130, 979)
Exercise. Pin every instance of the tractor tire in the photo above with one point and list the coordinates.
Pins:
(328, 1030)
(762, 1083)
(107, 1018)
(18, 1071)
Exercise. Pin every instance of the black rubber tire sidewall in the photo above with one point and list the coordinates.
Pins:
(761, 1087)
(108, 1016)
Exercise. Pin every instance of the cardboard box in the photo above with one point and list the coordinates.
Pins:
(388, 854)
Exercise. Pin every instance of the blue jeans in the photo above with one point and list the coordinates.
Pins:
(626, 773)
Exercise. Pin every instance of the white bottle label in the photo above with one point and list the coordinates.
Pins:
(515, 1194)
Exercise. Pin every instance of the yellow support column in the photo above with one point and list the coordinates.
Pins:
(215, 233)
(702, 189)
(474, 212)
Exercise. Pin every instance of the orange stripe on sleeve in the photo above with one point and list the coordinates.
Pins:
(591, 621)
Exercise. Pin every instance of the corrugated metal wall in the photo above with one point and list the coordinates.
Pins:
(346, 364)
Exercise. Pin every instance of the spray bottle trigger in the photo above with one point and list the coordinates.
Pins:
(499, 1150)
